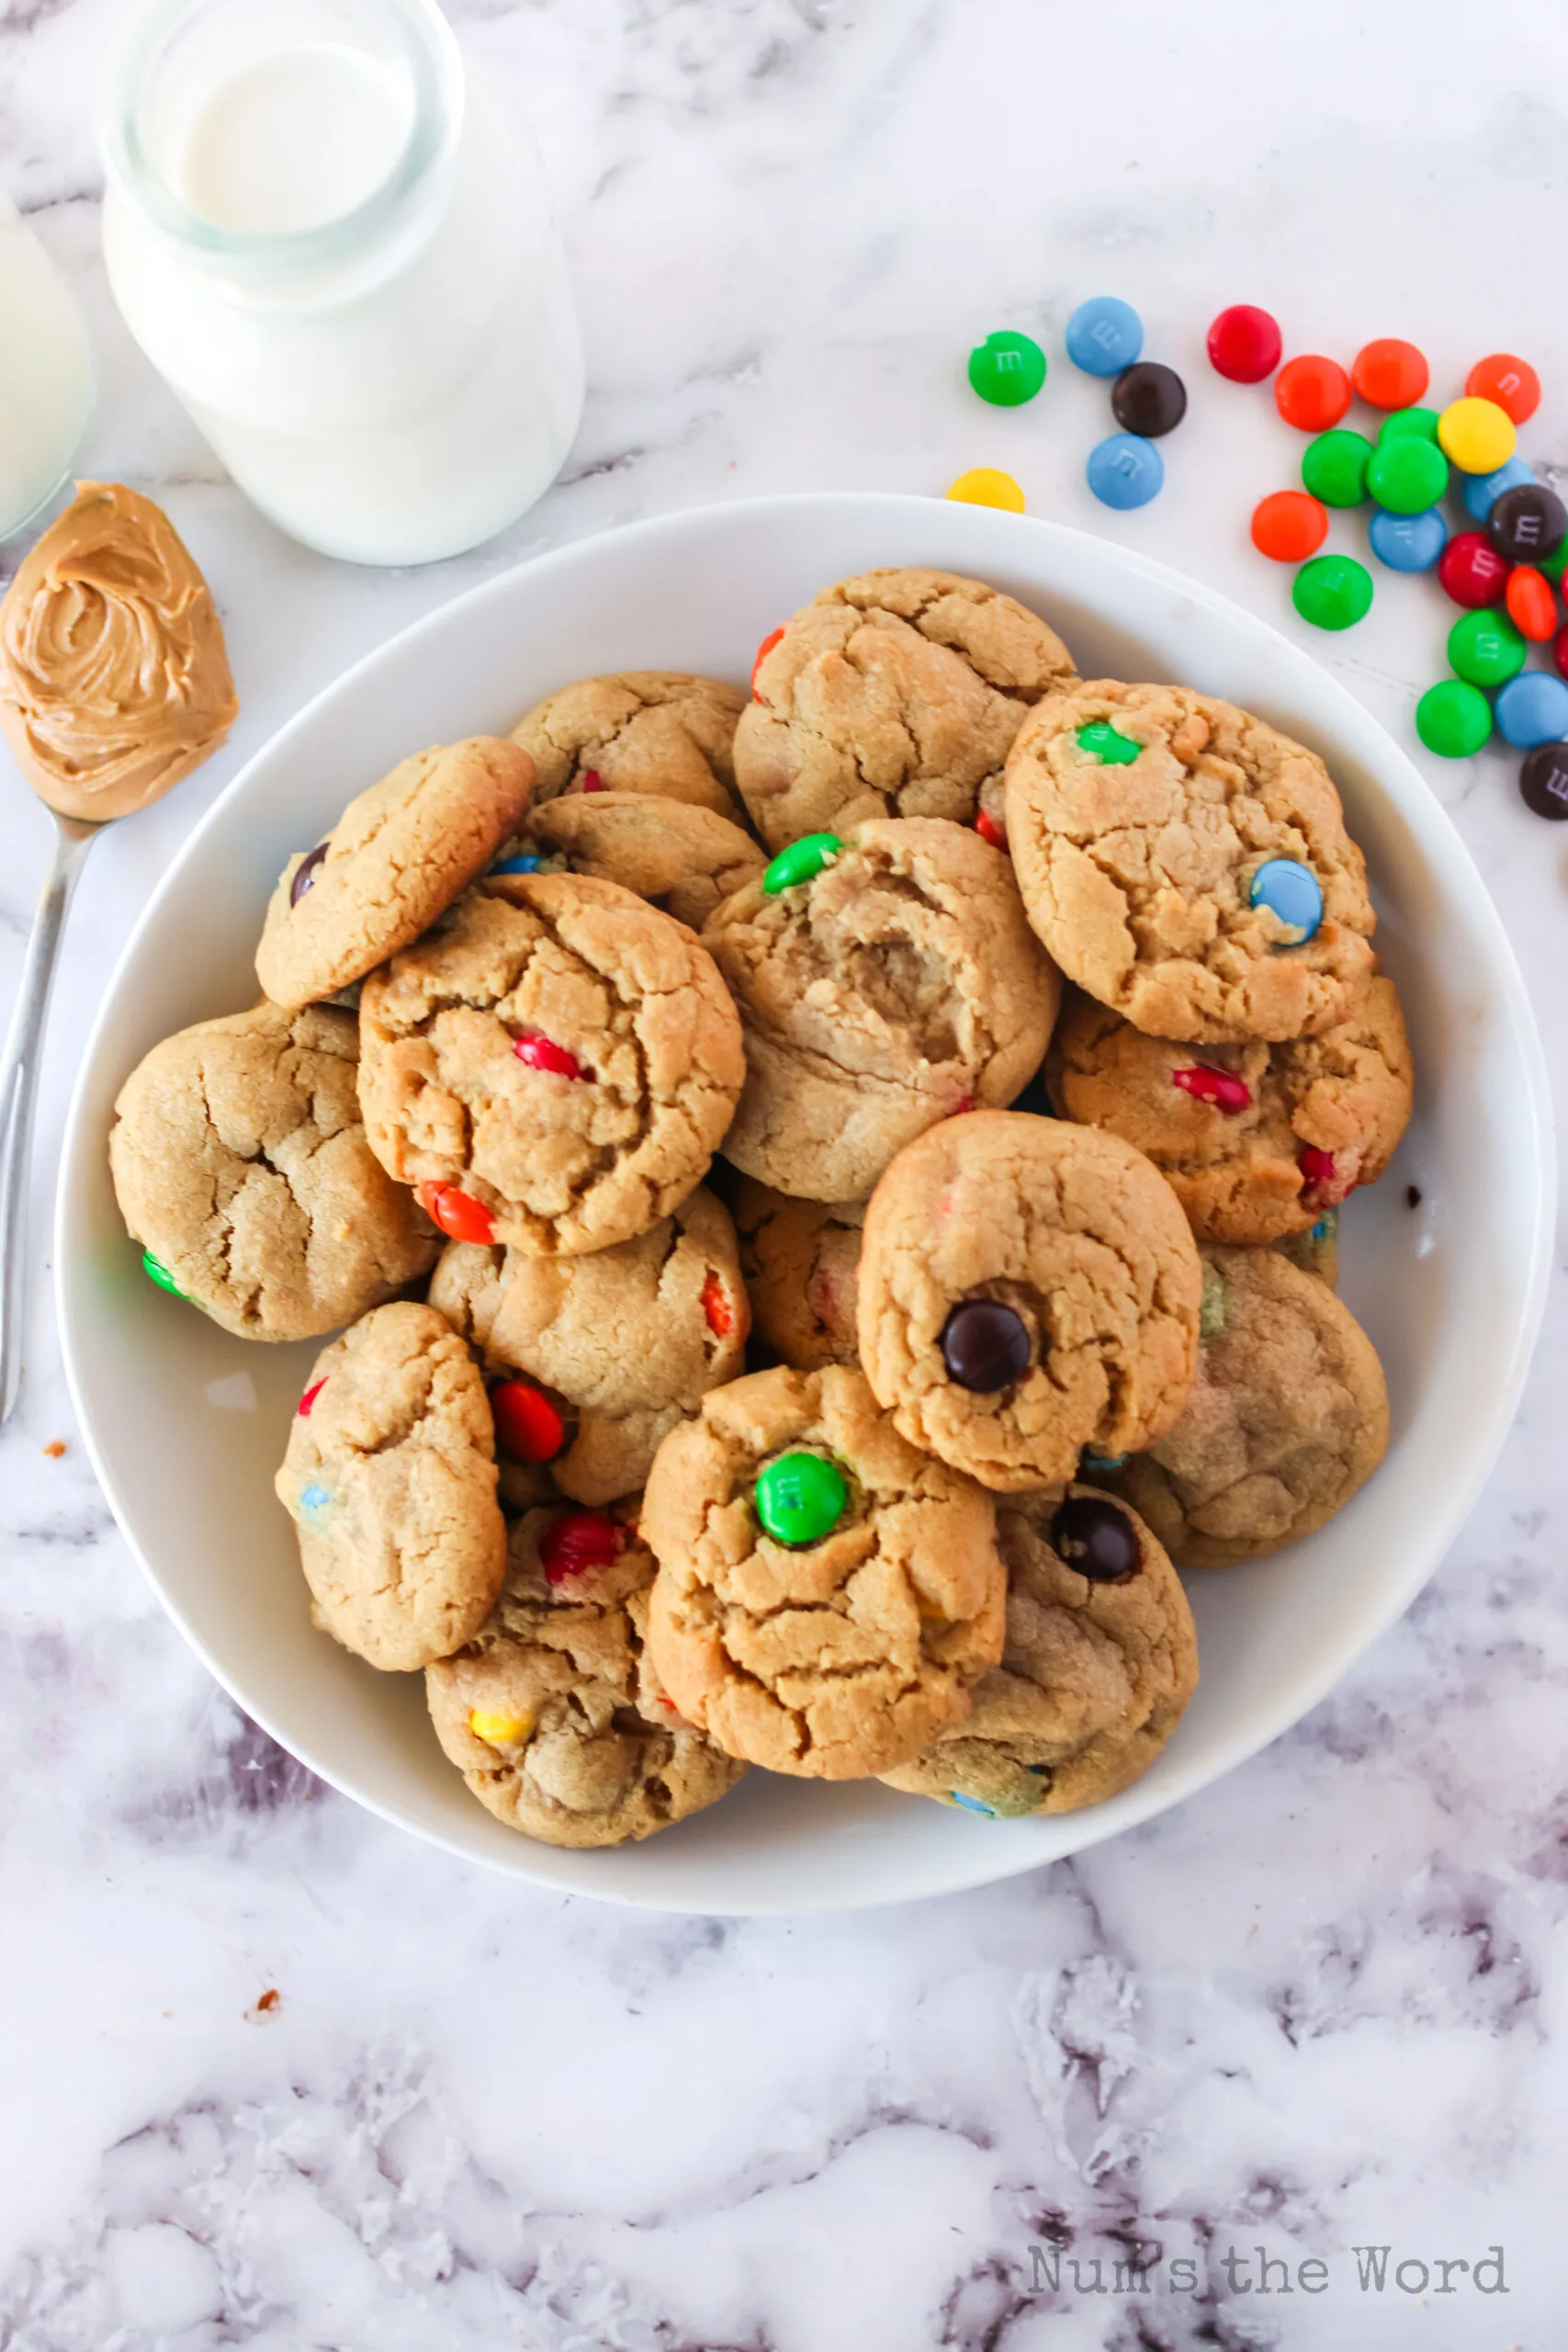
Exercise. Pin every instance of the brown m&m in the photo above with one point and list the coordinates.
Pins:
(985, 1345)
(1543, 780)
(1095, 1536)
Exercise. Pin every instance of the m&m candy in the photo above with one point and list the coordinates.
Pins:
(156, 1272)
(458, 1215)
(775, 637)
(577, 1542)
(987, 486)
(972, 1804)
(523, 862)
(1408, 542)
(308, 1402)
(1543, 780)
(1100, 741)
(1244, 343)
(1512, 383)
(1532, 709)
(313, 1500)
(1334, 467)
(497, 1730)
(1149, 399)
(1289, 525)
(718, 1308)
(305, 873)
(1125, 471)
(1389, 373)
(1453, 719)
(1105, 336)
(1528, 521)
(1007, 369)
(1096, 1537)
(1482, 492)
(528, 1425)
(1407, 475)
(1476, 435)
(1486, 649)
(803, 861)
(985, 1345)
(1333, 592)
(800, 1498)
(1472, 571)
(1221, 1087)
(1532, 606)
(1312, 392)
(1421, 421)
(1292, 893)
(1559, 649)
(542, 1053)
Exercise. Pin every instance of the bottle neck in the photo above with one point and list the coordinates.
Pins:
(281, 143)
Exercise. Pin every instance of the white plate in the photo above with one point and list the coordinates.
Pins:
(186, 1425)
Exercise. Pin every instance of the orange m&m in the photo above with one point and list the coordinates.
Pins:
(1531, 606)
(1390, 374)
(458, 1215)
(1312, 392)
(1288, 525)
(1511, 383)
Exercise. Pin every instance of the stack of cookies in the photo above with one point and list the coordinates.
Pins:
(980, 1055)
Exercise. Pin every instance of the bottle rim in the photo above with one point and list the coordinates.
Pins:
(435, 72)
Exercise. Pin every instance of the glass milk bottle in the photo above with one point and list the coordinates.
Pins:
(339, 251)
(46, 375)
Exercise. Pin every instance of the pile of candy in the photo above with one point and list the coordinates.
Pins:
(1105, 337)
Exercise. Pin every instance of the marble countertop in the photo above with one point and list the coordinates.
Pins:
(272, 2075)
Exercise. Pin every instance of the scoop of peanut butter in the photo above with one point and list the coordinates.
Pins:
(114, 677)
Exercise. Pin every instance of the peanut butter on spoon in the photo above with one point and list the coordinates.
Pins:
(114, 676)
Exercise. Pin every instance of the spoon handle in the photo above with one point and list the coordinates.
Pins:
(19, 1089)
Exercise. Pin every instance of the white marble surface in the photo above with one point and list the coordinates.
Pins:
(1324, 2005)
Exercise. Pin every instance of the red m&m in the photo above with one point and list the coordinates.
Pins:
(1472, 571)
(543, 1053)
(308, 1398)
(1221, 1087)
(763, 650)
(1244, 343)
(581, 1540)
(719, 1309)
(458, 1215)
(527, 1425)
(988, 829)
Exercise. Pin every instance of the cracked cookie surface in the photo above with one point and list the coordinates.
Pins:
(552, 1713)
(396, 858)
(846, 1656)
(560, 1164)
(630, 1338)
(1093, 1679)
(901, 984)
(1079, 1238)
(1287, 1417)
(240, 1161)
(893, 694)
(801, 1260)
(676, 854)
(661, 731)
(390, 1480)
(1236, 1165)
(1137, 877)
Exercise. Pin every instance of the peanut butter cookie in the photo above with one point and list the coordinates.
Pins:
(1256, 1140)
(554, 1063)
(396, 858)
(894, 983)
(826, 1596)
(801, 1260)
(1100, 1660)
(551, 1713)
(1288, 1416)
(674, 854)
(896, 694)
(1027, 1288)
(623, 1341)
(390, 1480)
(240, 1163)
(662, 731)
(1186, 865)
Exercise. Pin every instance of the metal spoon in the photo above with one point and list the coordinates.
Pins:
(74, 836)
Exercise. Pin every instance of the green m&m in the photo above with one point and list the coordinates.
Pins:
(1453, 719)
(1334, 467)
(1486, 649)
(1100, 741)
(800, 1498)
(1007, 369)
(156, 1272)
(1407, 474)
(801, 862)
(1420, 423)
(1333, 592)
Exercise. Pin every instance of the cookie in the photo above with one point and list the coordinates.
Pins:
(661, 731)
(1099, 1662)
(551, 1714)
(1027, 1288)
(1256, 1140)
(390, 1480)
(1142, 820)
(896, 694)
(1288, 1416)
(625, 1340)
(396, 858)
(895, 984)
(1315, 1251)
(674, 854)
(826, 1596)
(553, 1064)
(801, 1260)
(240, 1163)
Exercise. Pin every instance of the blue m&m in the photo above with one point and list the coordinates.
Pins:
(1532, 709)
(1125, 471)
(972, 1804)
(1408, 542)
(1291, 892)
(1105, 336)
(1482, 491)
(523, 864)
(313, 1500)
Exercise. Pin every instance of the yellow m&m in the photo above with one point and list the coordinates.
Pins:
(987, 486)
(1476, 435)
(498, 1731)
